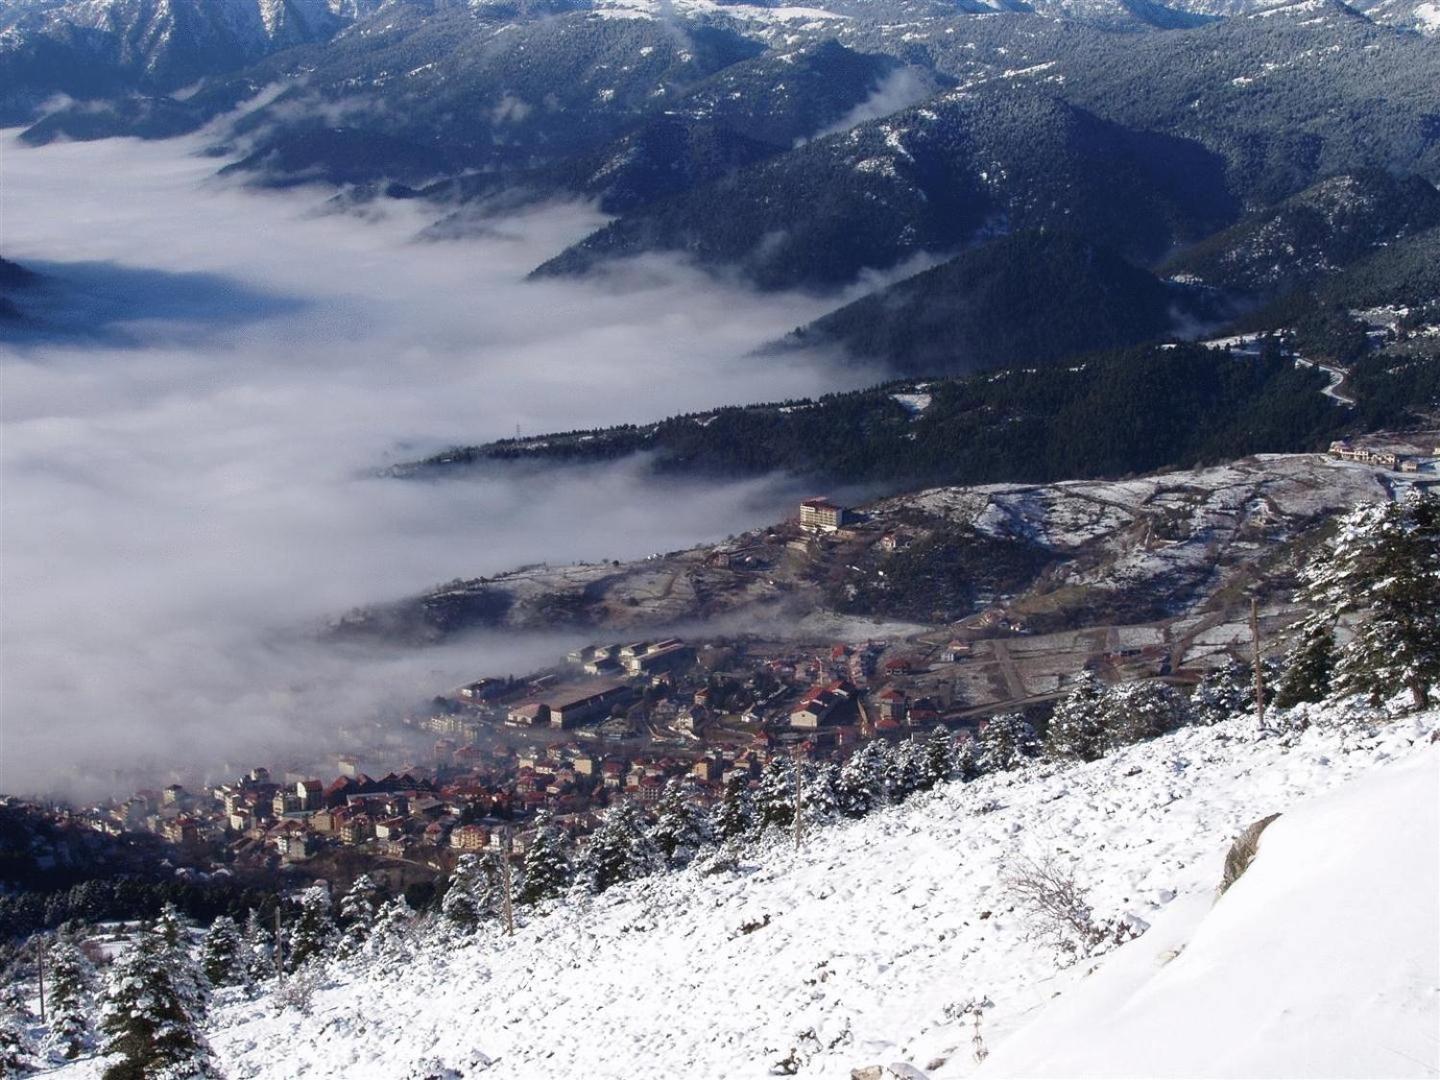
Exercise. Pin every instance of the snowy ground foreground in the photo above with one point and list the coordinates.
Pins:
(1321, 960)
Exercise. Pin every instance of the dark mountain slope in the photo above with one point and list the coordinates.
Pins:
(100, 48)
(1029, 298)
(929, 179)
(1327, 226)
(745, 113)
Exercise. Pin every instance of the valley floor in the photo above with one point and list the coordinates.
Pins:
(862, 947)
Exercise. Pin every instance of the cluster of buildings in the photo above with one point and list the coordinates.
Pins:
(1380, 457)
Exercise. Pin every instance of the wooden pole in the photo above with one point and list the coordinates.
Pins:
(505, 882)
(799, 800)
(1259, 671)
(40, 969)
(279, 947)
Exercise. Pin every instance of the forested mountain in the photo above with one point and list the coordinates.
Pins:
(1163, 407)
(1323, 228)
(94, 48)
(1026, 298)
(1004, 156)
(797, 146)
(14, 281)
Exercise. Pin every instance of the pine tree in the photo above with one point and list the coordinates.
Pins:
(862, 783)
(257, 951)
(819, 802)
(619, 850)
(357, 913)
(679, 829)
(547, 863)
(940, 758)
(905, 769)
(391, 944)
(70, 1001)
(967, 761)
(734, 817)
(1077, 727)
(1384, 567)
(312, 932)
(775, 797)
(470, 898)
(220, 952)
(1309, 668)
(190, 981)
(1142, 710)
(17, 1052)
(150, 1019)
(1006, 742)
(1223, 692)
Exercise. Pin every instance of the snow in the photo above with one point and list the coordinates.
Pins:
(861, 948)
(1322, 960)
(913, 403)
(751, 13)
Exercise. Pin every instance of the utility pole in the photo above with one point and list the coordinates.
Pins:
(505, 843)
(1255, 660)
(279, 947)
(799, 799)
(40, 970)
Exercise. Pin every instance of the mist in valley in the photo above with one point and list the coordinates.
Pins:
(193, 421)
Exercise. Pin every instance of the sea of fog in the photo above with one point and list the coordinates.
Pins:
(186, 449)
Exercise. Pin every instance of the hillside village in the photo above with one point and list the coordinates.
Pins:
(621, 720)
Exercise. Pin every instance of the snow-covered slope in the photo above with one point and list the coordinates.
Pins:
(1322, 960)
(863, 947)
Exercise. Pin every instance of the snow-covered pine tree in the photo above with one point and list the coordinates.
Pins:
(775, 797)
(1143, 710)
(679, 829)
(220, 952)
(619, 850)
(1006, 742)
(905, 772)
(469, 899)
(1077, 727)
(312, 930)
(1223, 692)
(1384, 566)
(967, 760)
(862, 783)
(392, 942)
(548, 872)
(819, 801)
(174, 930)
(734, 817)
(70, 1000)
(257, 951)
(150, 1021)
(1309, 667)
(940, 758)
(17, 1052)
(357, 914)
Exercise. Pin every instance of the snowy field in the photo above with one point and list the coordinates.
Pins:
(862, 948)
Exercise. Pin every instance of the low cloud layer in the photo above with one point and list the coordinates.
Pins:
(186, 493)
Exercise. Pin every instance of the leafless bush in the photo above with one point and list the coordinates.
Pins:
(1242, 852)
(1054, 904)
(298, 990)
(1058, 912)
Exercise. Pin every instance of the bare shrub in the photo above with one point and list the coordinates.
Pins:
(1058, 912)
(297, 992)
(1242, 852)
